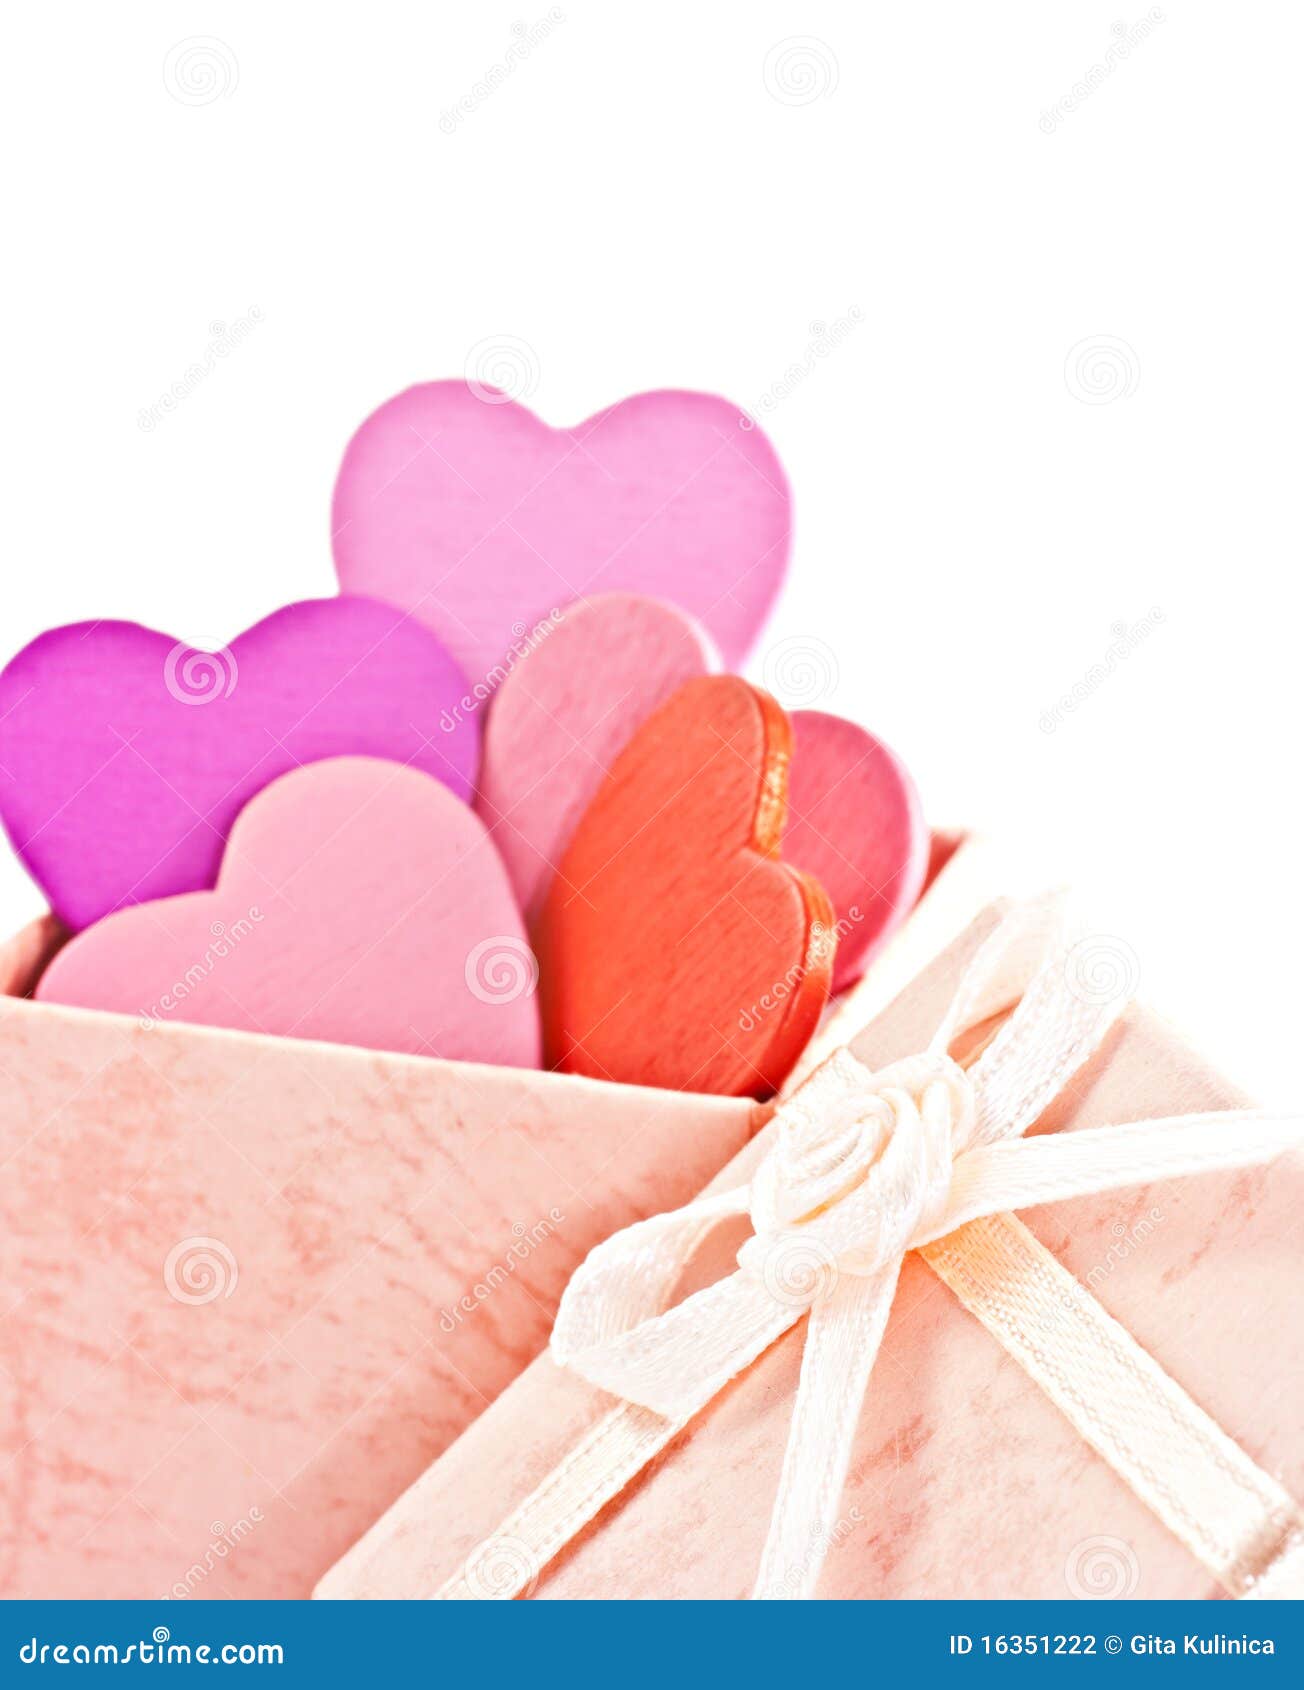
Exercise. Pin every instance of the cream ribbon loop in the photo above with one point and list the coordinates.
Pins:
(862, 1168)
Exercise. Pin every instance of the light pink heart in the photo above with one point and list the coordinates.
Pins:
(564, 714)
(461, 506)
(358, 901)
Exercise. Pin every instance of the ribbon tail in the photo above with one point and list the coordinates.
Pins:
(1021, 1173)
(1007, 960)
(1236, 1519)
(842, 1340)
(676, 1362)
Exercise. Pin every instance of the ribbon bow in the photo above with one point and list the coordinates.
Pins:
(860, 1169)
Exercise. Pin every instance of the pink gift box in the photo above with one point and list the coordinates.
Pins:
(965, 1480)
(253, 1286)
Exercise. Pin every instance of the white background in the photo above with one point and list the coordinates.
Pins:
(678, 196)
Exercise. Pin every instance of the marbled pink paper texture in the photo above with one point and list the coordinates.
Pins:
(965, 1480)
(233, 1272)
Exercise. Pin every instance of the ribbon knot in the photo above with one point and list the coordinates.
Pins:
(859, 1169)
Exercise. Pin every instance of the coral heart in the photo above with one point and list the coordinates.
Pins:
(125, 756)
(358, 901)
(676, 949)
(855, 823)
(563, 714)
(462, 507)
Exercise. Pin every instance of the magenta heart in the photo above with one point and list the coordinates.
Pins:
(459, 505)
(125, 756)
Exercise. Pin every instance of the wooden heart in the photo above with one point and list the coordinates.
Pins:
(126, 755)
(359, 901)
(461, 506)
(677, 950)
(856, 824)
(564, 713)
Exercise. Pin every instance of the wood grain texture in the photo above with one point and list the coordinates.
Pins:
(676, 949)
(358, 902)
(461, 506)
(567, 708)
(856, 825)
(125, 755)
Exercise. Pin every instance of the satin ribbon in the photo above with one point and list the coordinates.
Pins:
(861, 1168)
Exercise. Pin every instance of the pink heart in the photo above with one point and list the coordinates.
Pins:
(125, 756)
(358, 902)
(562, 716)
(461, 506)
(855, 823)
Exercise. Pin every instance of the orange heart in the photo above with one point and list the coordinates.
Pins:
(676, 949)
